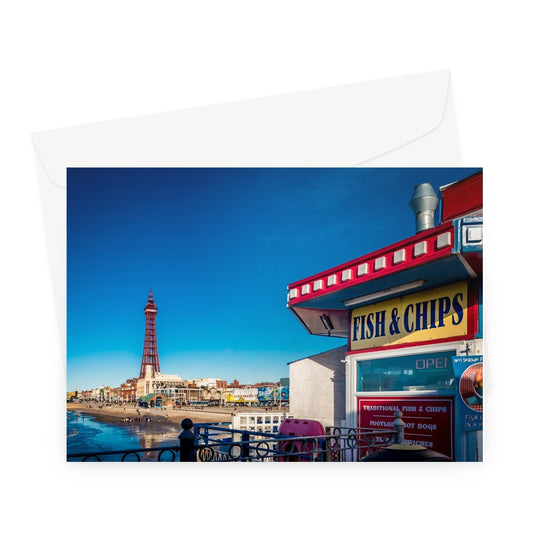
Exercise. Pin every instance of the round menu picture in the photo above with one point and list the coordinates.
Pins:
(471, 387)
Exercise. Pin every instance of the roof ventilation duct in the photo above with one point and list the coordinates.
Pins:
(424, 204)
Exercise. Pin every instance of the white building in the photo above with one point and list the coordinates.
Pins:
(154, 382)
(99, 393)
(318, 387)
(205, 383)
(259, 421)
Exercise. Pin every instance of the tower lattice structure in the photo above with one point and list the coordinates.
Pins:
(150, 355)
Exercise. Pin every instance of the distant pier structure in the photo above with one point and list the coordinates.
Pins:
(150, 354)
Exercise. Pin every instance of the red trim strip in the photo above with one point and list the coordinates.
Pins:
(411, 344)
(473, 308)
(431, 253)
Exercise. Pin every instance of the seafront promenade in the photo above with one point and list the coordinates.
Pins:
(164, 416)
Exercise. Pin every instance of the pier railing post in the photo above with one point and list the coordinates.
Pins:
(187, 441)
(245, 445)
(398, 426)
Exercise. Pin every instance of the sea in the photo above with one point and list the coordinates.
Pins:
(86, 434)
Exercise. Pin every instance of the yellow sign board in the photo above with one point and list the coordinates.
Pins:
(434, 314)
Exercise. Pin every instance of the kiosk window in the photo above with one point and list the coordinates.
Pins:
(413, 372)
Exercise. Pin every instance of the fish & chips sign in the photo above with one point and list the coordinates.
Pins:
(435, 314)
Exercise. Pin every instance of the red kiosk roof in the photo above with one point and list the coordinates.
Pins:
(426, 260)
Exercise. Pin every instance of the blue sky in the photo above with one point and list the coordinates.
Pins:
(218, 248)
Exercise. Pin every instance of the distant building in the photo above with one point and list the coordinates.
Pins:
(207, 383)
(166, 384)
(72, 396)
(98, 394)
(84, 396)
(244, 395)
(128, 390)
(155, 400)
(114, 396)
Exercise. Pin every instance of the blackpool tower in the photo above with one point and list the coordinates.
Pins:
(150, 355)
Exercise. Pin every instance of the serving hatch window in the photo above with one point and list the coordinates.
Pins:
(407, 373)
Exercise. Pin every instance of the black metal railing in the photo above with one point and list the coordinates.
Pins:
(160, 454)
(220, 443)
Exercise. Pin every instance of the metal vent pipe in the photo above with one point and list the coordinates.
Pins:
(424, 204)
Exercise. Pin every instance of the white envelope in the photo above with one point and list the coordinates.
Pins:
(404, 121)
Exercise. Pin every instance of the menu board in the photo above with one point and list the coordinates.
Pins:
(428, 421)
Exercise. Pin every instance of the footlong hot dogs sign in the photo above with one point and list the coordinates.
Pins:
(435, 314)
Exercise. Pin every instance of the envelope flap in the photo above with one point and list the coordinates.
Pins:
(365, 121)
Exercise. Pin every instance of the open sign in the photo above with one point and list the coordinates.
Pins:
(428, 363)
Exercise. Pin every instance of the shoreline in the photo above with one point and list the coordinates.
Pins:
(165, 417)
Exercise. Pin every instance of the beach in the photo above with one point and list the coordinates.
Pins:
(170, 417)
(94, 428)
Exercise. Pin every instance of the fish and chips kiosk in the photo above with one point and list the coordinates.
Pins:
(412, 317)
